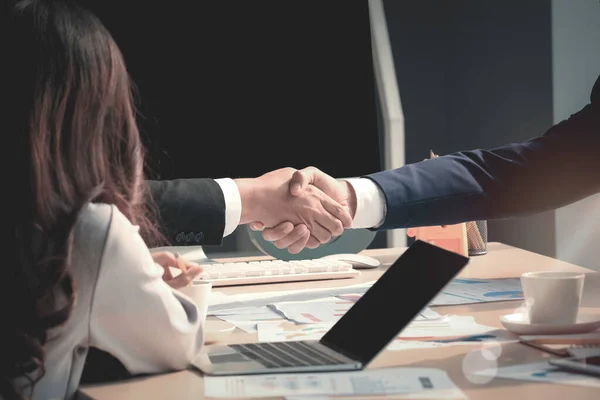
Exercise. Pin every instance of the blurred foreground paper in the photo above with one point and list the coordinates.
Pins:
(539, 372)
(422, 383)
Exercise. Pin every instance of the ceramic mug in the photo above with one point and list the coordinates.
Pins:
(552, 297)
(199, 292)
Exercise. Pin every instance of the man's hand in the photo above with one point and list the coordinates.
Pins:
(267, 200)
(293, 236)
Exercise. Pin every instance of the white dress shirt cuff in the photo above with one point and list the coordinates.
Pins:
(233, 204)
(370, 203)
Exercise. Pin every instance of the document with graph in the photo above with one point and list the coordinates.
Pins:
(469, 291)
(422, 383)
(328, 310)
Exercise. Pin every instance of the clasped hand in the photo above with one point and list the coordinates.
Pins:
(297, 209)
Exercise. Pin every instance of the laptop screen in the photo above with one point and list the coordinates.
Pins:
(393, 301)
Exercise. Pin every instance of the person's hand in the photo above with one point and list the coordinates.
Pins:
(293, 236)
(167, 260)
(267, 200)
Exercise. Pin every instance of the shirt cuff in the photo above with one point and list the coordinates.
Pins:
(233, 204)
(370, 203)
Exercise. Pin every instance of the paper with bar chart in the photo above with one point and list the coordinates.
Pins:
(285, 331)
(329, 309)
(469, 291)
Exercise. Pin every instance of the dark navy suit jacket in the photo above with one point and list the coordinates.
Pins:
(543, 173)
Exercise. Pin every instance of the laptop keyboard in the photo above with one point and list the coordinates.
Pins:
(286, 354)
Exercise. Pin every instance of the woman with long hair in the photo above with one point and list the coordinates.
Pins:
(79, 273)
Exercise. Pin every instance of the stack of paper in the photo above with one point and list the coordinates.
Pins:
(419, 334)
(266, 298)
(247, 318)
(459, 291)
(329, 309)
(448, 327)
(324, 307)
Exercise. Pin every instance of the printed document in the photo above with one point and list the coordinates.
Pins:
(388, 381)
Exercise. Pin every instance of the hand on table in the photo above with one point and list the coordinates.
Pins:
(189, 270)
(296, 236)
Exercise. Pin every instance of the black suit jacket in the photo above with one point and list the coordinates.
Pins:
(191, 211)
(543, 173)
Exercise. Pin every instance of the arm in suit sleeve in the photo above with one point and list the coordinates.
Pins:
(196, 211)
(544, 173)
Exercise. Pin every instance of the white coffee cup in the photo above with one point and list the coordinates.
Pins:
(199, 292)
(552, 297)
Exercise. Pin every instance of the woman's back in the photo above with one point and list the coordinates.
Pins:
(67, 345)
(78, 273)
(123, 307)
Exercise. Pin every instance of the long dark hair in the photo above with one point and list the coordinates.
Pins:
(71, 124)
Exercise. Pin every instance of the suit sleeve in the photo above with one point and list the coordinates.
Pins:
(543, 173)
(191, 211)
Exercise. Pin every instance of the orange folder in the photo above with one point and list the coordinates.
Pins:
(449, 237)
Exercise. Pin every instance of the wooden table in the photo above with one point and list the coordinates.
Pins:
(502, 261)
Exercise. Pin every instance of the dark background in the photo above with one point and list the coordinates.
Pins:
(239, 88)
(476, 74)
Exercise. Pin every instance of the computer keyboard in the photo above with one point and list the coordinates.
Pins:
(272, 271)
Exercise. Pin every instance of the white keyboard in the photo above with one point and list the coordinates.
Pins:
(272, 271)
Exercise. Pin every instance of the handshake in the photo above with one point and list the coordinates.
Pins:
(297, 208)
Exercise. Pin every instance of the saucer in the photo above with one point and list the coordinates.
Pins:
(519, 324)
(216, 331)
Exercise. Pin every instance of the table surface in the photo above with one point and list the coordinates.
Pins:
(502, 261)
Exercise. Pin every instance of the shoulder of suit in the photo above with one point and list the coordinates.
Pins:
(595, 97)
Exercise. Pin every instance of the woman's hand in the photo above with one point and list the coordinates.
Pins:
(189, 270)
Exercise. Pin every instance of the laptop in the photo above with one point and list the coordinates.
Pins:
(394, 300)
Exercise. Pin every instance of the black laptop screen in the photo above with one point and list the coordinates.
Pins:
(394, 301)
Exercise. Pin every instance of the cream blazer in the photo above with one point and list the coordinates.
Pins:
(122, 307)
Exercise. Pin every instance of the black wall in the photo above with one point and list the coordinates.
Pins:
(232, 89)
